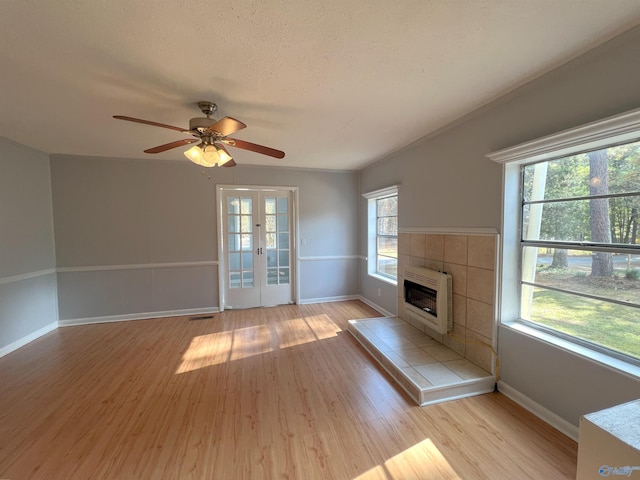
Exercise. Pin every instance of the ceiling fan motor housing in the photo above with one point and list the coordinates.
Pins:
(201, 123)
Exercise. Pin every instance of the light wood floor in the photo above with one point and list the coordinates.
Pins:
(282, 392)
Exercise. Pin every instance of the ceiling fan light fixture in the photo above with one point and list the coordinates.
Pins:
(210, 156)
(203, 155)
(224, 157)
(195, 154)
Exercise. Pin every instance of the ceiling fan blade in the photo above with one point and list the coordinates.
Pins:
(230, 163)
(149, 122)
(272, 152)
(226, 126)
(169, 146)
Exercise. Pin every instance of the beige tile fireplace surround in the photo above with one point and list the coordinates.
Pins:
(466, 366)
(470, 259)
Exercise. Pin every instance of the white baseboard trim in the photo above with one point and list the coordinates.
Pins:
(539, 411)
(384, 312)
(136, 316)
(29, 338)
(338, 298)
(342, 298)
(330, 257)
(69, 322)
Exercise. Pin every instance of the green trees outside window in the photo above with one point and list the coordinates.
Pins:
(580, 247)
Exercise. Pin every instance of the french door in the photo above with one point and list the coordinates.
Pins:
(257, 267)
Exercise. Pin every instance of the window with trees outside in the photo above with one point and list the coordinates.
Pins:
(580, 248)
(571, 239)
(383, 233)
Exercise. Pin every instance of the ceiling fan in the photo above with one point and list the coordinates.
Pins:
(212, 135)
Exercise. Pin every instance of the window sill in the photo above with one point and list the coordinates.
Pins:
(595, 356)
(384, 279)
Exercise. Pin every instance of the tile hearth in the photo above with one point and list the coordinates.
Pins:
(427, 370)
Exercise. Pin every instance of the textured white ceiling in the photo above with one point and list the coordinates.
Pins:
(335, 84)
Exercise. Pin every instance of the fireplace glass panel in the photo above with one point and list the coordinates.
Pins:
(421, 297)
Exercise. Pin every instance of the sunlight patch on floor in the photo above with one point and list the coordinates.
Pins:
(421, 461)
(308, 329)
(220, 347)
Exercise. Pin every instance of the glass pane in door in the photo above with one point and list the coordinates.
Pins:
(234, 242)
(283, 222)
(270, 206)
(234, 261)
(284, 276)
(247, 279)
(283, 240)
(277, 240)
(233, 205)
(283, 205)
(240, 250)
(270, 240)
(234, 280)
(247, 260)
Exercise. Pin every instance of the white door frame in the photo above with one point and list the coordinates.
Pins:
(222, 266)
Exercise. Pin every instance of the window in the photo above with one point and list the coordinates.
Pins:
(571, 238)
(383, 233)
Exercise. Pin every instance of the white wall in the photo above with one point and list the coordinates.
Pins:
(450, 169)
(27, 261)
(138, 237)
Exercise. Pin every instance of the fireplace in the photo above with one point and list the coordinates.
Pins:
(427, 297)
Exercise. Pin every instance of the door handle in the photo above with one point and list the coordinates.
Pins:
(259, 251)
